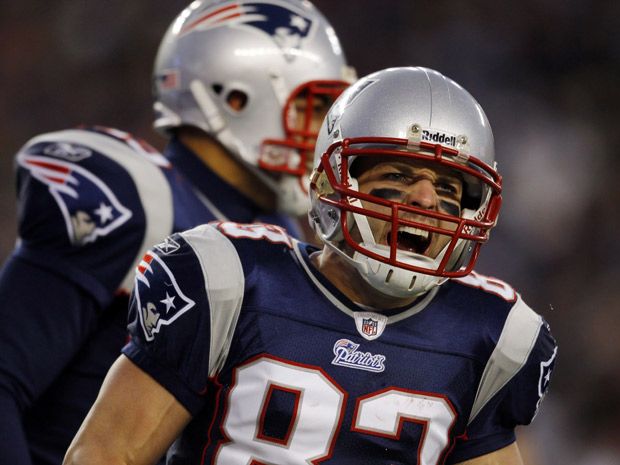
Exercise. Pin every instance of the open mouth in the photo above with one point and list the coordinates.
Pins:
(411, 239)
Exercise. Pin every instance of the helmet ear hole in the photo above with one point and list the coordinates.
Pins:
(217, 88)
(237, 100)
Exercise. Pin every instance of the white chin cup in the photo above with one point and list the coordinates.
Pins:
(392, 280)
(292, 200)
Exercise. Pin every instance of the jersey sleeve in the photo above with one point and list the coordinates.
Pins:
(514, 383)
(88, 205)
(184, 307)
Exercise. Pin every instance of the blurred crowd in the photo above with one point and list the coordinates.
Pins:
(545, 71)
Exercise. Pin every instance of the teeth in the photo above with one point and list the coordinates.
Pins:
(414, 231)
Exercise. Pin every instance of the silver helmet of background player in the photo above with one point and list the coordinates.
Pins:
(419, 114)
(264, 54)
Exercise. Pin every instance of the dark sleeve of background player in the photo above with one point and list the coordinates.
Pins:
(35, 343)
(53, 292)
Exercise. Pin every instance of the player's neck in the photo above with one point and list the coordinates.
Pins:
(228, 167)
(348, 281)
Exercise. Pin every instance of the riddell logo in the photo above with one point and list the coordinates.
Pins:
(438, 138)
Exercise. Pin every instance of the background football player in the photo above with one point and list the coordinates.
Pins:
(241, 90)
(384, 346)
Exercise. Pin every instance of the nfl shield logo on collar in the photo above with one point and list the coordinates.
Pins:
(370, 325)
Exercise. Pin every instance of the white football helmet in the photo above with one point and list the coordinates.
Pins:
(418, 115)
(263, 55)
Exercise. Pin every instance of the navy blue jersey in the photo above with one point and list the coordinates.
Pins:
(91, 202)
(277, 366)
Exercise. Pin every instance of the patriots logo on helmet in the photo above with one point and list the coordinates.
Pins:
(288, 28)
(158, 306)
(89, 207)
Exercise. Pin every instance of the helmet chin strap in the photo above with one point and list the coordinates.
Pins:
(216, 123)
(209, 108)
(167, 118)
(361, 221)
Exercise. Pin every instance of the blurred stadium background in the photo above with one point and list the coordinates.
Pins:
(547, 73)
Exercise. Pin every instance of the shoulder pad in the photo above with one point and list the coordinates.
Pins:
(514, 346)
(222, 280)
(489, 285)
(255, 231)
(83, 171)
(138, 145)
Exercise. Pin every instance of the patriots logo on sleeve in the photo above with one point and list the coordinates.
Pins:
(161, 301)
(546, 368)
(89, 207)
(288, 28)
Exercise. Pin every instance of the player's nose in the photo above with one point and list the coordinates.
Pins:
(422, 194)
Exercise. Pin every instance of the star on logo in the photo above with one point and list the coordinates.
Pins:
(104, 212)
(169, 302)
(299, 22)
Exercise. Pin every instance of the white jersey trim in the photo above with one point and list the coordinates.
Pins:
(153, 189)
(513, 348)
(224, 285)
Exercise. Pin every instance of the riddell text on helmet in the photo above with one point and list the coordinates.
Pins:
(439, 137)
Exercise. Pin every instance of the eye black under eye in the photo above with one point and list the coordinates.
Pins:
(450, 208)
(387, 193)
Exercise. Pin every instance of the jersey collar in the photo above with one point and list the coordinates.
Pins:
(343, 303)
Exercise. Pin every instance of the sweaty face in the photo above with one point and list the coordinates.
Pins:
(427, 186)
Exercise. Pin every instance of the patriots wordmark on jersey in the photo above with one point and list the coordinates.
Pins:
(277, 366)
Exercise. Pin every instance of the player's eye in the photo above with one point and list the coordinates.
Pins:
(395, 176)
(448, 188)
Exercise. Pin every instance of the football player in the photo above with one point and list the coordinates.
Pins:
(382, 347)
(241, 89)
